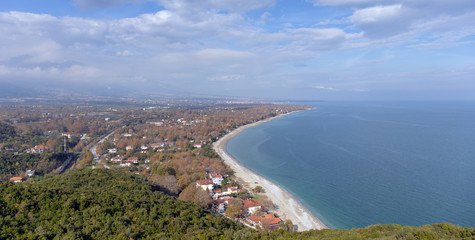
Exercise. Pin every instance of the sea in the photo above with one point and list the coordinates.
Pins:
(355, 164)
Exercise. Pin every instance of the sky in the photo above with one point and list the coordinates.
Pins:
(286, 49)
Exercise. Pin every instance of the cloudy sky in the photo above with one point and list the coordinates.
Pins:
(295, 49)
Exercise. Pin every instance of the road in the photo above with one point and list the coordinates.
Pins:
(93, 149)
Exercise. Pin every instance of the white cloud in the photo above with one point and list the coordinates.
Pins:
(377, 13)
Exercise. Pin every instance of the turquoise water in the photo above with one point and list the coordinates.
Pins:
(358, 164)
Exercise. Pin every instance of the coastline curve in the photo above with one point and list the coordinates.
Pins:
(288, 206)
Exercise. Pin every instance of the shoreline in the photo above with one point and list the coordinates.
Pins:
(288, 206)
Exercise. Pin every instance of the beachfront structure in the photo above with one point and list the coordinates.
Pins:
(268, 221)
(216, 178)
(205, 184)
(251, 206)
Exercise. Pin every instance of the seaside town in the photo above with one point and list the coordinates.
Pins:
(170, 145)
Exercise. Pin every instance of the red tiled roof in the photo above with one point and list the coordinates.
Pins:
(269, 219)
(250, 203)
(204, 182)
(16, 178)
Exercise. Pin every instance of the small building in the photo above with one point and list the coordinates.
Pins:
(38, 149)
(30, 173)
(268, 221)
(143, 147)
(197, 145)
(127, 148)
(216, 178)
(117, 158)
(134, 160)
(233, 189)
(251, 206)
(68, 134)
(220, 205)
(16, 179)
(112, 150)
(205, 184)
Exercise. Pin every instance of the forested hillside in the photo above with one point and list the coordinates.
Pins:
(106, 204)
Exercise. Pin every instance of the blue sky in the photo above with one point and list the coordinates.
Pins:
(307, 49)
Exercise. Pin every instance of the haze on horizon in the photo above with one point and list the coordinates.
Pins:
(299, 49)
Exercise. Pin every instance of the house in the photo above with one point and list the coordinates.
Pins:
(126, 164)
(268, 221)
(16, 179)
(68, 134)
(127, 148)
(112, 150)
(216, 178)
(233, 189)
(30, 173)
(197, 145)
(162, 145)
(129, 162)
(220, 204)
(251, 206)
(38, 149)
(117, 158)
(158, 124)
(155, 145)
(134, 160)
(205, 184)
(143, 147)
(127, 135)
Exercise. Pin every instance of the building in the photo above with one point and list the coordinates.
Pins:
(205, 184)
(233, 189)
(251, 206)
(197, 145)
(268, 221)
(117, 158)
(38, 149)
(216, 178)
(30, 173)
(112, 150)
(16, 179)
(127, 148)
(68, 134)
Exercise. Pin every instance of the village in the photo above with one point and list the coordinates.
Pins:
(171, 147)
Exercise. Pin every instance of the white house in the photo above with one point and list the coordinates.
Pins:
(216, 178)
(205, 184)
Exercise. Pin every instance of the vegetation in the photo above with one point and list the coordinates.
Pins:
(108, 204)
(15, 165)
(102, 204)
(6, 131)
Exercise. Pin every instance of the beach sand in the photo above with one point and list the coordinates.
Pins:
(288, 206)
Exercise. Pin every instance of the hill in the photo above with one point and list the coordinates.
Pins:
(106, 204)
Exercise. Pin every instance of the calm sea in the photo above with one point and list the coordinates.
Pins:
(358, 164)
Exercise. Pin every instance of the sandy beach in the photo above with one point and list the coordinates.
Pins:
(288, 206)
